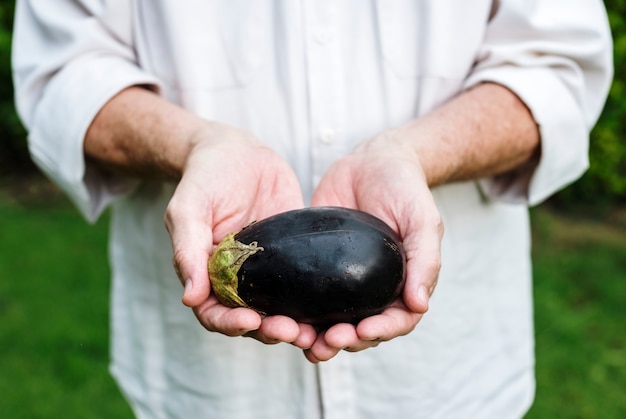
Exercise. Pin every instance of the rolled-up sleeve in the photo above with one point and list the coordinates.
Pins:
(69, 59)
(556, 56)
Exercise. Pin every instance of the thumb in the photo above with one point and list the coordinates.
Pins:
(191, 243)
(423, 266)
(191, 267)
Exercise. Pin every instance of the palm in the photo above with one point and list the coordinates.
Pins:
(225, 187)
(392, 188)
(251, 186)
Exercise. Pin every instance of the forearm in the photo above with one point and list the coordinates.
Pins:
(139, 133)
(484, 131)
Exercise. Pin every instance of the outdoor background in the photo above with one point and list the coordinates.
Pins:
(54, 279)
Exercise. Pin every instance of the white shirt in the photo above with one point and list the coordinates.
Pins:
(312, 78)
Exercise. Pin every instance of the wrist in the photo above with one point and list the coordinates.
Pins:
(138, 133)
(484, 131)
(210, 136)
(430, 142)
(410, 143)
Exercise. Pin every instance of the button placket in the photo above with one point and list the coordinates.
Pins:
(324, 36)
(327, 104)
(327, 135)
(324, 62)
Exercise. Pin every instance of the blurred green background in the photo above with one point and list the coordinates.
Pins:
(54, 279)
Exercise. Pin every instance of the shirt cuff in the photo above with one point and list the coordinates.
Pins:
(564, 135)
(69, 104)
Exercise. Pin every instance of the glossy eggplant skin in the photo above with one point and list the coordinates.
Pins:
(321, 265)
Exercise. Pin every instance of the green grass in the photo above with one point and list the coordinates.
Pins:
(54, 290)
(580, 315)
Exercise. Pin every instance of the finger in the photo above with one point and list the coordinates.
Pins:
(301, 335)
(341, 335)
(320, 351)
(423, 248)
(276, 329)
(393, 322)
(361, 346)
(192, 240)
(308, 354)
(306, 338)
(191, 267)
(345, 337)
(216, 317)
(421, 279)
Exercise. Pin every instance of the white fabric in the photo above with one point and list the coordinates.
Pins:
(312, 78)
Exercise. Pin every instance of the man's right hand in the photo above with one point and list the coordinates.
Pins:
(229, 180)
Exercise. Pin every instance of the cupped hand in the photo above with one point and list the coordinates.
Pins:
(229, 180)
(385, 179)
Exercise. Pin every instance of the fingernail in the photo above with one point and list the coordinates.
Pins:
(188, 285)
(422, 295)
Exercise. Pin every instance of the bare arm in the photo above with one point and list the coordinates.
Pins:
(139, 133)
(485, 131)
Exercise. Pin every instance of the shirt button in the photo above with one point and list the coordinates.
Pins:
(323, 36)
(327, 135)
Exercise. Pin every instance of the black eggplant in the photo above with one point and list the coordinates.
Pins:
(320, 265)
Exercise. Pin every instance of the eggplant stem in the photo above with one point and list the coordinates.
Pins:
(224, 265)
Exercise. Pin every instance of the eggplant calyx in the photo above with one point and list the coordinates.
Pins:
(224, 265)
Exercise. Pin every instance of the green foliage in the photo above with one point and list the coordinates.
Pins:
(54, 293)
(14, 157)
(579, 269)
(605, 182)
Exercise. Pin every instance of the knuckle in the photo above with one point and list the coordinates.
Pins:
(179, 261)
(439, 224)
(435, 266)
(170, 210)
(177, 269)
(171, 214)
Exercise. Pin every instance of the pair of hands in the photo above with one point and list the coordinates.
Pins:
(230, 179)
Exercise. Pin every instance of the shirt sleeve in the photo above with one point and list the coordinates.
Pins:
(69, 59)
(556, 56)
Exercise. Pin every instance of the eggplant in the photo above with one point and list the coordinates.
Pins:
(319, 265)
